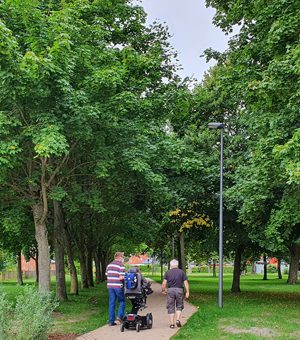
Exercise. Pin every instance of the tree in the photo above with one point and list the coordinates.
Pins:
(261, 64)
(73, 75)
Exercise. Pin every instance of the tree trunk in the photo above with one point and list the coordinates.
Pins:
(71, 265)
(89, 262)
(294, 264)
(214, 270)
(182, 253)
(190, 267)
(179, 253)
(97, 267)
(19, 273)
(237, 271)
(253, 268)
(41, 236)
(37, 267)
(80, 244)
(265, 268)
(58, 242)
(279, 270)
(83, 268)
(103, 265)
(161, 265)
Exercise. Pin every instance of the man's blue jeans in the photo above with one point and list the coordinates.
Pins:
(114, 294)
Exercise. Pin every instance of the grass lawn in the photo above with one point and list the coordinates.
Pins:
(264, 309)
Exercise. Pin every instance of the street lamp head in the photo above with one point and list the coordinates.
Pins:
(216, 125)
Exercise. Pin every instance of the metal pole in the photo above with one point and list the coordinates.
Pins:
(172, 247)
(221, 229)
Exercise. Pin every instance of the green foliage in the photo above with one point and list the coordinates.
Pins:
(86, 90)
(5, 318)
(32, 315)
(258, 89)
(204, 269)
(272, 269)
(8, 261)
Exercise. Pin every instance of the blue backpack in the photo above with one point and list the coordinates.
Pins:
(130, 280)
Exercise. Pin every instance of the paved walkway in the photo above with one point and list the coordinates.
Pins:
(156, 303)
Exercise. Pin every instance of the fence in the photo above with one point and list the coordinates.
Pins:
(26, 275)
(8, 276)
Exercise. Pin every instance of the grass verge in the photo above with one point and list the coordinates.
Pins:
(264, 309)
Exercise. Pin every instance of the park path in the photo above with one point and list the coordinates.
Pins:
(156, 303)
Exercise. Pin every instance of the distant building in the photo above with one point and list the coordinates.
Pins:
(139, 260)
(30, 265)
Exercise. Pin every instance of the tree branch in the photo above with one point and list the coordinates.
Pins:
(23, 117)
(61, 164)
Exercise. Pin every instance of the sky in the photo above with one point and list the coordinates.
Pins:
(190, 23)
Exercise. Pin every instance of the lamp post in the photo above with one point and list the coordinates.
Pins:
(220, 126)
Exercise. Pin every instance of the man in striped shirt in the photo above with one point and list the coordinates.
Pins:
(115, 273)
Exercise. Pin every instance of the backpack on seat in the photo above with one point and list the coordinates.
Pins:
(130, 280)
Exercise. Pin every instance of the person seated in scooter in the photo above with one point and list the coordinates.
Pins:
(145, 284)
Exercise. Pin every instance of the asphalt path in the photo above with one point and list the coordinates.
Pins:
(156, 304)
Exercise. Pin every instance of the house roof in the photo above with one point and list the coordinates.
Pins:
(137, 259)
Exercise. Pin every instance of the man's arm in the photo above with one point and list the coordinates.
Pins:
(163, 287)
(186, 284)
(122, 273)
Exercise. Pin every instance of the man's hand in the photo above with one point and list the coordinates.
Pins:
(163, 287)
(187, 294)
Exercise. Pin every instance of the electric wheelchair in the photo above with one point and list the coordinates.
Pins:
(136, 289)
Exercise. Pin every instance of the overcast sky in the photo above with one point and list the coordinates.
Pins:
(190, 23)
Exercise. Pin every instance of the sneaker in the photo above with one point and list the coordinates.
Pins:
(119, 320)
(112, 324)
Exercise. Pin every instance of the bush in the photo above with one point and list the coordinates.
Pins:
(5, 319)
(286, 271)
(31, 318)
(204, 269)
(272, 269)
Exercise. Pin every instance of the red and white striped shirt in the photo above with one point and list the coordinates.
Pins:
(113, 272)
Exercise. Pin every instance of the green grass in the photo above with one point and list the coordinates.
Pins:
(264, 309)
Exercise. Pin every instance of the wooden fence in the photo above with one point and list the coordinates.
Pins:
(26, 275)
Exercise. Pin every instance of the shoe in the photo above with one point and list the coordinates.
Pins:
(119, 320)
(112, 324)
(172, 326)
(178, 324)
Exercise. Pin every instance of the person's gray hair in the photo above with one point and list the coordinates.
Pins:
(174, 263)
(118, 255)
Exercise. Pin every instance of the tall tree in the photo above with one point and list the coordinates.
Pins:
(75, 74)
(262, 71)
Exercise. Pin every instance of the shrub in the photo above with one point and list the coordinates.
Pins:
(31, 318)
(5, 319)
(204, 269)
(286, 271)
(272, 269)
(33, 314)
